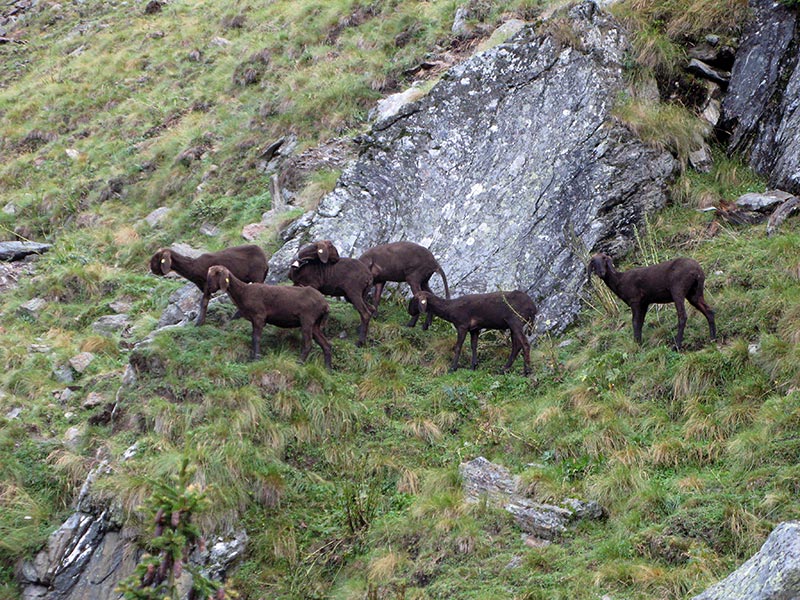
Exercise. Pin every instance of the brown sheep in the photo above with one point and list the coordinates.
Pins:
(318, 265)
(671, 281)
(248, 263)
(495, 310)
(277, 305)
(403, 261)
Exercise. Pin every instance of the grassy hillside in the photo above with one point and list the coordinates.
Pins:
(347, 481)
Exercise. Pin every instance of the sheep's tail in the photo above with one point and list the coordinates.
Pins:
(440, 271)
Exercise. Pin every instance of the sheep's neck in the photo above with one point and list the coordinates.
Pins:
(185, 266)
(440, 307)
(236, 289)
(613, 280)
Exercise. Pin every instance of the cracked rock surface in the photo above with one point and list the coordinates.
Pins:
(507, 170)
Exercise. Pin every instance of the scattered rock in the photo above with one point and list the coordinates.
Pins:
(460, 27)
(195, 55)
(158, 215)
(210, 230)
(781, 213)
(701, 160)
(183, 306)
(10, 251)
(32, 307)
(63, 374)
(110, 324)
(253, 231)
(220, 41)
(72, 153)
(80, 362)
(93, 399)
(773, 573)
(483, 479)
(129, 376)
(10, 209)
(13, 413)
(763, 202)
(121, 306)
(71, 437)
(698, 67)
(391, 105)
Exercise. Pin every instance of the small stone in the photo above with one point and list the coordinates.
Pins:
(701, 160)
(93, 399)
(81, 361)
(220, 41)
(32, 307)
(72, 437)
(129, 376)
(754, 349)
(13, 413)
(209, 230)
(63, 374)
(69, 415)
(120, 306)
(130, 452)
(72, 153)
(111, 324)
(195, 55)
(712, 39)
(253, 231)
(763, 202)
(10, 209)
(41, 348)
(65, 395)
(155, 217)
(698, 67)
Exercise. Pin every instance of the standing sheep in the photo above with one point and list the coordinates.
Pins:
(671, 281)
(318, 265)
(248, 263)
(277, 305)
(403, 261)
(473, 312)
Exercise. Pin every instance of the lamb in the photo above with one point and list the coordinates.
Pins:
(248, 263)
(671, 281)
(473, 312)
(403, 261)
(318, 265)
(282, 306)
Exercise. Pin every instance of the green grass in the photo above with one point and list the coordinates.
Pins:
(347, 480)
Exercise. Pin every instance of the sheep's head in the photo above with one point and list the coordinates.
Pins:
(601, 264)
(161, 263)
(421, 302)
(324, 251)
(217, 278)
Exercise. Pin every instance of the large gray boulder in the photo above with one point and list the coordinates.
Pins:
(773, 573)
(509, 170)
(760, 111)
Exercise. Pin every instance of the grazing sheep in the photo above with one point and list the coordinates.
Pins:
(473, 312)
(318, 265)
(671, 281)
(403, 261)
(248, 263)
(277, 305)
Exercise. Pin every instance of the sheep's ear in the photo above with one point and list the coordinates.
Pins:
(166, 262)
(333, 253)
(323, 251)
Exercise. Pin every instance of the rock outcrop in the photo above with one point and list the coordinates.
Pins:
(773, 573)
(510, 170)
(761, 111)
(484, 479)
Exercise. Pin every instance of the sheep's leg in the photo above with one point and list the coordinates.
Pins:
(323, 342)
(462, 335)
(201, 317)
(413, 322)
(376, 295)
(700, 304)
(429, 318)
(639, 312)
(680, 307)
(473, 342)
(256, 349)
(306, 348)
(365, 312)
(526, 354)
